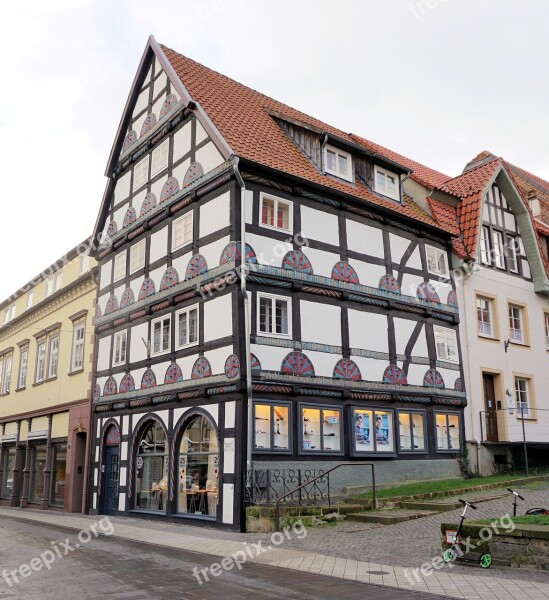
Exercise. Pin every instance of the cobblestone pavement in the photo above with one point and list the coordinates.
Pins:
(110, 568)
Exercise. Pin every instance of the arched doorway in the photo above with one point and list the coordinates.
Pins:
(198, 461)
(111, 469)
(151, 473)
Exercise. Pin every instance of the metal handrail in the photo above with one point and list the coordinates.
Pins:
(298, 488)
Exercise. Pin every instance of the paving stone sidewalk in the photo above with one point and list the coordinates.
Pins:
(387, 553)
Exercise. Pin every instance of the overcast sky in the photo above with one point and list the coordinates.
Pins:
(436, 80)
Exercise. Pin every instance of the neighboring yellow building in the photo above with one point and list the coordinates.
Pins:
(46, 357)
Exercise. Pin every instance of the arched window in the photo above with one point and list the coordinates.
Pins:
(151, 468)
(198, 468)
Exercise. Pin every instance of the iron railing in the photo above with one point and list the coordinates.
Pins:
(264, 486)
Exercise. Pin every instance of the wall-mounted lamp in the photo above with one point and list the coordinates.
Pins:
(506, 344)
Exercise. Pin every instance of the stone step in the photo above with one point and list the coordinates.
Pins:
(386, 518)
(430, 506)
(345, 509)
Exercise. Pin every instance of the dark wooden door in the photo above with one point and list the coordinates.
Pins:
(490, 408)
(110, 480)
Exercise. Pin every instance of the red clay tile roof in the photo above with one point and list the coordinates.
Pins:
(243, 118)
(447, 215)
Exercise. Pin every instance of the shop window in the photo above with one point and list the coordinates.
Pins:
(8, 460)
(152, 469)
(198, 469)
(38, 464)
(447, 432)
(411, 430)
(320, 429)
(272, 427)
(59, 462)
(373, 431)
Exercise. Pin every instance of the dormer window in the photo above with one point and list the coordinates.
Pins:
(386, 183)
(338, 163)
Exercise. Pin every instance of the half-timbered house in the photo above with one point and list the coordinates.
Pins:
(271, 295)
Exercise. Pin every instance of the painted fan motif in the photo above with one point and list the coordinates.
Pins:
(173, 374)
(129, 217)
(127, 298)
(433, 379)
(201, 368)
(147, 289)
(112, 305)
(254, 363)
(426, 291)
(148, 380)
(347, 369)
(232, 366)
(170, 188)
(295, 260)
(148, 204)
(170, 278)
(389, 283)
(148, 124)
(193, 172)
(127, 384)
(457, 385)
(231, 253)
(452, 298)
(130, 139)
(343, 271)
(110, 387)
(297, 363)
(112, 228)
(113, 436)
(395, 375)
(168, 104)
(197, 265)
(96, 393)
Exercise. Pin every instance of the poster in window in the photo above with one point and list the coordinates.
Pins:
(363, 439)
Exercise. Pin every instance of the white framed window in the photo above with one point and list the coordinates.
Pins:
(40, 362)
(23, 362)
(338, 162)
(485, 246)
(274, 315)
(516, 330)
(446, 344)
(53, 283)
(6, 383)
(119, 266)
(546, 319)
(512, 248)
(437, 261)
(183, 230)
(386, 183)
(30, 299)
(140, 173)
(521, 395)
(53, 356)
(9, 313)
(137, 256)
(186, 322)
(84, 264)
(78, 339)
(484, 317)
(161, 333)
(497, 238)
(160, 158)
(119, 348)
(275, 213)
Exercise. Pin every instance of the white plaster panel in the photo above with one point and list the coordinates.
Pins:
(218, 318)
(249, 205)
(100, 381)
(323, 362)
(125, 426)
(180, 264)
(420, 347)
(123, 475)
(105, 274)
(97, 454)
(94, 502)
(139, 123)
(212, 252)
(99, 426)
(365, 239)
(136, 419)
(319, 225)
(137, 200)
(118, 216)
(156, 187)
(228, 502)
(158, 104)
(95, 476)
(399, 245)
(137, 375)
(270, 357)
(159, 245)
(102, 302)
(104, 353)
(368, 331)
(268, 251)
(218, 357)
(135, 285)
(213, 411)
(201, 134)
(414, 262)
(322, 262)
(122, 501)
(410, 283)
(182, 141)
(122, 189)
(449, 377)
(526, 269)
(138, 351)
(214, 215)
(209, 157)
(180, 170)
(157, 274)
(141, 104)
(403, 332)
(228, 455)
(509, 221)
(320, 323)
(368, 274)
(416, 374)
(230, 414)
(442, 288)
(159, 83)
(371, 369)
(186, 363)
(159, 370)
(164, 416)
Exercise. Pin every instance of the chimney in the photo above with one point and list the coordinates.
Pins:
(533, 202)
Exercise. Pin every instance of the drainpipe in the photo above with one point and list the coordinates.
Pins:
(401, 191)
(246, 303)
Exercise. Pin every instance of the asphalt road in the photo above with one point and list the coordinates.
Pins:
(106, 567)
